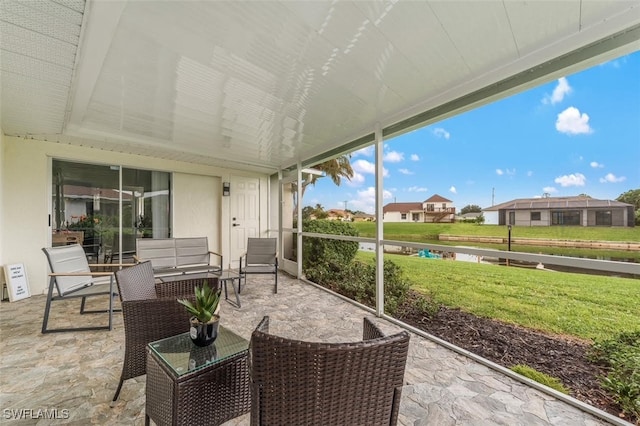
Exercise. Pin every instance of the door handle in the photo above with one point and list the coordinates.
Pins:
(235, 224)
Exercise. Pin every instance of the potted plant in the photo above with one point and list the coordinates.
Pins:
(205, 318)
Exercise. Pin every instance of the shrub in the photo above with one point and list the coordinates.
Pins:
(322, 250)
(330, 263)
(621, 356)
(426, 304)
(540, 377)
(357, 281)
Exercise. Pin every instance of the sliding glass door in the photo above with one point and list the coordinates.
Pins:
(105, 209)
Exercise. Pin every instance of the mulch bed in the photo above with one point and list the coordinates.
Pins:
(508, 345)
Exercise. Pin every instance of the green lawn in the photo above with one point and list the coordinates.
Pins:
(430, 231)
(584, 306)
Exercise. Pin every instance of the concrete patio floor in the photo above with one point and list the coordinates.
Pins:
(79, 371)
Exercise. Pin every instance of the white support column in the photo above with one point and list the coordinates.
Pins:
(379, 223)
(280, 219)
(299, 216)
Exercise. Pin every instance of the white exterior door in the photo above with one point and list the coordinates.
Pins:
(244, 215)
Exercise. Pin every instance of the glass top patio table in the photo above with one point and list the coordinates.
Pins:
(182, 356)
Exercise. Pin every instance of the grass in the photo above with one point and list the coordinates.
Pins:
(418, 232)
(539, 377)
(584, 306)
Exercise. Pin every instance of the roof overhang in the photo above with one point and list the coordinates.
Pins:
(265, 85)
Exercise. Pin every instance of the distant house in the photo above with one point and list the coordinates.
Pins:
(434, 209)
(337, 214)
(559, 211)
(364, 217)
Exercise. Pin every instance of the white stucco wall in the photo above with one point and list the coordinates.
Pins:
(25, 182)
(199, 198)
(396, 217)
(490, 217)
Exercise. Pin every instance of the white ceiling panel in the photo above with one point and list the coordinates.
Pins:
(261, 85)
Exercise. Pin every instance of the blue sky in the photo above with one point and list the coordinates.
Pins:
(578, 134)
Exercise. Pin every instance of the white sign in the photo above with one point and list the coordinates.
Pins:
(16, 282)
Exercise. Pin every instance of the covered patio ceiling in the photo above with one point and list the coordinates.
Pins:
(262, 85)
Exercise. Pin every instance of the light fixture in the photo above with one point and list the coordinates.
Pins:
(226, 189)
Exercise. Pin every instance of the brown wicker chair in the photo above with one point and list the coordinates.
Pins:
(150, 312)
(303, 383)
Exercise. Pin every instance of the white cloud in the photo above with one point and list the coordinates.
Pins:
(417, 189)
(549, 189)
(366, 200)
(577, 179)
(415, 157)
(367, 151)
(356, 180)
(611, 178)
(559, 92)
(572, 122)
(367, 167)
(406, 171)
(509, 172)
(596, 165)
(441, 133)
(364, 166)
(453, 190)
(394, 156)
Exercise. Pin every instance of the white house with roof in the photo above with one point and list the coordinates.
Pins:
(432, 210)
(560, 211)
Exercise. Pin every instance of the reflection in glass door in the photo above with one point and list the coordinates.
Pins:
(87, 201)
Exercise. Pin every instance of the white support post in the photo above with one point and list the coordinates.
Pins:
(379, 223)
(299, 215)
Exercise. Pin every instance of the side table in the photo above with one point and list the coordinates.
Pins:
(225, 276)
(190, 385)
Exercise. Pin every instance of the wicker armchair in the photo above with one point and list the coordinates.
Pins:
(150, 312)
(303, 383)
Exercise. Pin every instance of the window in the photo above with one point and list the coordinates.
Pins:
(569, 217)
(431, 207)
(403, 216)
(603, 218)
(86, 200)
(512, 218)
(536, 216)
(415, 217)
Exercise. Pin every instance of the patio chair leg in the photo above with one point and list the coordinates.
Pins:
(117, 394)
(47, 308)
(82, 305)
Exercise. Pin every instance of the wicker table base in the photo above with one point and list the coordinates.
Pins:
(212, 389)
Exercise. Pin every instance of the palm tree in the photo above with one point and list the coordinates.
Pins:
(337, 168)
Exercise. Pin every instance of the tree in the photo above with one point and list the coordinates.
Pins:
(336, 169)
(632, 197)
(471, 208)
